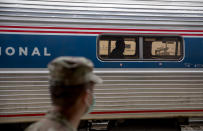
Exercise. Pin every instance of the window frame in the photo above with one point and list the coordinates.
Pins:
(140, 46)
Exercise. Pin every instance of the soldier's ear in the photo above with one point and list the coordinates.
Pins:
(88, 93)
(85, 96)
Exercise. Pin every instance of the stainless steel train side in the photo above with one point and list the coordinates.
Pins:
(127, 93)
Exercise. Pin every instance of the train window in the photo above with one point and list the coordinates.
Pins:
(162, 48)
(138, 47)
(116, 47)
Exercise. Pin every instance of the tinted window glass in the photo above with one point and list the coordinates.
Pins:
(138, 47)
(118, 48)
(162, 48)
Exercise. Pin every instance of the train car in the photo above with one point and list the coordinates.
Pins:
(149, 54)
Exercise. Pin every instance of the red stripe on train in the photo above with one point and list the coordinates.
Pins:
(22, 115)
(81, 32)
(113, 29)
(149, 111)
(110, 112)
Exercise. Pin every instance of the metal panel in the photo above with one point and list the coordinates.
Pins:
(164, 14)
(24, 92)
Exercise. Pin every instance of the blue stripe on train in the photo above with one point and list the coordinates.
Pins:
(51, 46)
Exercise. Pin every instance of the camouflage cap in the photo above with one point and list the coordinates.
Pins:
(72, 71)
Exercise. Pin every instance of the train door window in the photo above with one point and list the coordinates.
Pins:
(117, 47)
(162, 48)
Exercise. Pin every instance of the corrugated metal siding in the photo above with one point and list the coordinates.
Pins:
(26, 92)
(165, 14)
(23, 93)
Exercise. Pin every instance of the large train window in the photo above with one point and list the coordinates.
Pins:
(118, 47)
(139, 47)
(162, 48)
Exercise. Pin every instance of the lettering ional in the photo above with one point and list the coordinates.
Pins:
(24, 51)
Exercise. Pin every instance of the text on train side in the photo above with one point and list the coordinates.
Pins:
(25, 51)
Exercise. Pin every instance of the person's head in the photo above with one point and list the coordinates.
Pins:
(120, 45)
(72, 82)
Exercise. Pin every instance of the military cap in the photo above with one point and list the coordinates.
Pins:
(72, 71)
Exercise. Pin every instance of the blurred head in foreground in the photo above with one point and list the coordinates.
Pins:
(71, 87)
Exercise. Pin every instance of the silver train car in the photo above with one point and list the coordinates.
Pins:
(160, 75)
